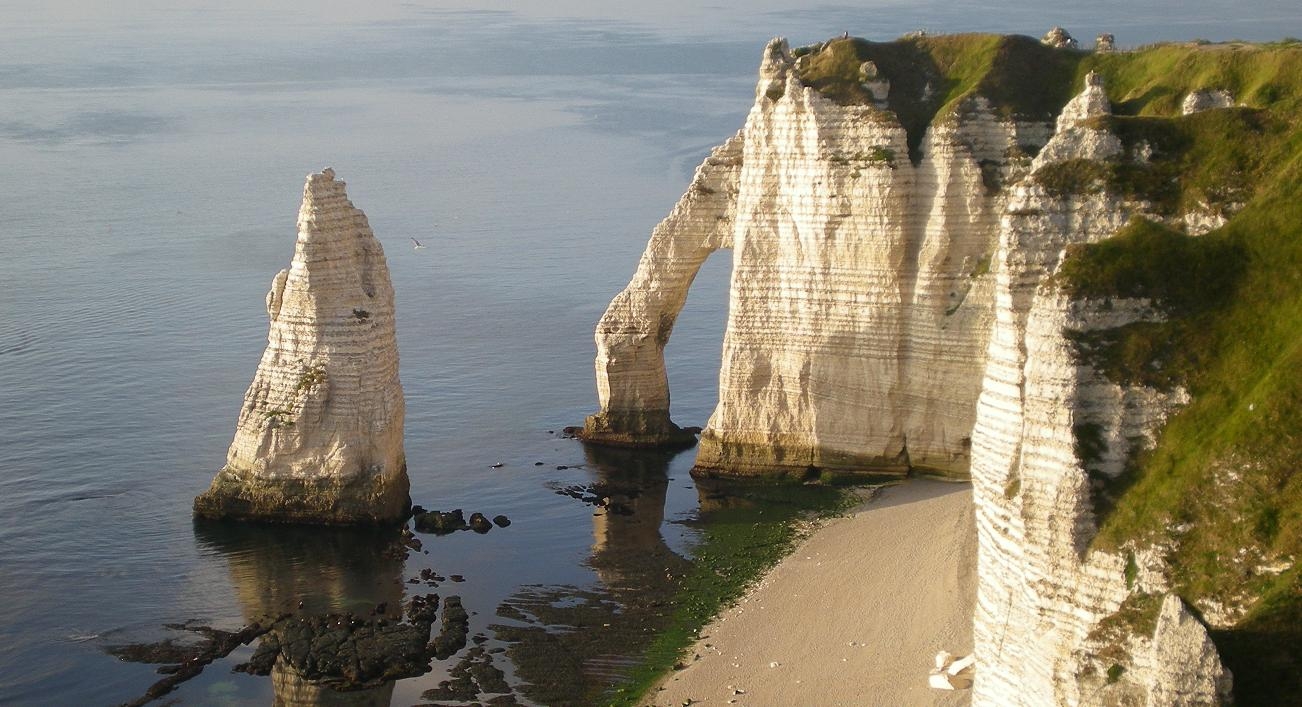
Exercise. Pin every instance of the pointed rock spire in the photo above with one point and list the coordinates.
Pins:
(319, 439)
(1091, 102)
(1076, 136)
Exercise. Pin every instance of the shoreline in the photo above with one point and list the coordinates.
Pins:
(853, 615)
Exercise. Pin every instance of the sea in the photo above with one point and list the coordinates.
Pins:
(152, 155)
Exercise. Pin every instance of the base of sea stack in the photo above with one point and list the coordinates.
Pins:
(639, 429)
(362, 500)
(792, 461)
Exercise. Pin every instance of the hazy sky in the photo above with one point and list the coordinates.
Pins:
(723, 19)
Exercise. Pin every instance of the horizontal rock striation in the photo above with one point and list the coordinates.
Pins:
(319, 438)
(859, 301)
(1048, 430)
(905, 228)
(632, 386)
(861, 295)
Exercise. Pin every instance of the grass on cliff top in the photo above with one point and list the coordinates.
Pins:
(932, 76)
(1224, 479)
(1153, 81)
(755, 527)
(1205, 161)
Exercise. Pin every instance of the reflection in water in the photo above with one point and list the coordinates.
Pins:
(294, 689)
(320, 574)
(569, 644)
(329, 570)
(720, 495)
(327, 605)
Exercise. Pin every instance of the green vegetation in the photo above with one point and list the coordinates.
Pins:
(1013, 487)
(1131, 571)
(1225, 470)
(932, 75)
(1182, 274)
(278, 418)
(1207, 161)
(1190, 279)
(311, 377)
(755, 526)
(1224, 474)
(1071, 177)
(1137, 616)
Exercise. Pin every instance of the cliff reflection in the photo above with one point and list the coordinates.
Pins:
(343, 587)
(626, 543)
(329, 570)
(570, 645)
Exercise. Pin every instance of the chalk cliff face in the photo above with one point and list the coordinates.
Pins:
(861, 293)
(632, 387)
(1047, 627)
(898, 304)
(319, 438)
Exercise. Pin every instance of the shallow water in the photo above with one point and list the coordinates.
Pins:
(152, 161)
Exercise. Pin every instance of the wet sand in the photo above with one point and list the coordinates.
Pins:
(854, 616)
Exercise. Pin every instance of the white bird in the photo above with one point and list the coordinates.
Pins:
(418, 245)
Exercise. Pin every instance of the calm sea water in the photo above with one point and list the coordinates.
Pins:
(152, 158)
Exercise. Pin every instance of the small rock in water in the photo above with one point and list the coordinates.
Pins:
(501, 521)
(561, 467)
(439, 522)
(479, 523)
(457, 578)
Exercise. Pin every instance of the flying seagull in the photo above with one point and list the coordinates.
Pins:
(418, 245)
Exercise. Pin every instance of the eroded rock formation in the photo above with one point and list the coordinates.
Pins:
(861, 293)
(632, 386)
(1206, 99)
(1043, 599)
(899, 303)
(319, 438)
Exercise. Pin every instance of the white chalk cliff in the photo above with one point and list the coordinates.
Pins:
(894, 310)
(319, 438)
(861, 293)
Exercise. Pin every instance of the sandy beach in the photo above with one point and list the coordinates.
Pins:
(854, 616)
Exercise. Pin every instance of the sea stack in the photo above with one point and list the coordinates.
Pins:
(319, 439)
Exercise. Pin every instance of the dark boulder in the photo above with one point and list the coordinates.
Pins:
(439, 522)
(479, 523)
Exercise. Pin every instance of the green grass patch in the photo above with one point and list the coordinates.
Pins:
(1193, 280)
(933, 75)
(1072, 177)
(753, 527)
(1137, 616)
(1182, 274)
(1154, 80)
(1225, 469)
